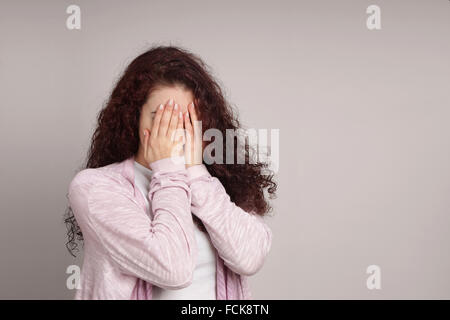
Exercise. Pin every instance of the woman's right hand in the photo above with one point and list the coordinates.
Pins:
(166, 138)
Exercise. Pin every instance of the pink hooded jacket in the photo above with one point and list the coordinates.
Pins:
(127, 249)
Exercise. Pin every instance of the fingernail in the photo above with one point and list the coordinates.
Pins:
(180, 114)
(145, 133)
(170, 102)
(192, 103)
(176, 106)
(161, 107)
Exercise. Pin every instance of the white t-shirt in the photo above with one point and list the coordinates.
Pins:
(204, 281)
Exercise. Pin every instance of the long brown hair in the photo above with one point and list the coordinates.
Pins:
(116, 136)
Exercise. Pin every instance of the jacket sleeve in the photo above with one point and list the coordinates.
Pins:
(242, 239)
(161, 251)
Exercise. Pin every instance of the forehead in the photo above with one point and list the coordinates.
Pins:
(161, 94)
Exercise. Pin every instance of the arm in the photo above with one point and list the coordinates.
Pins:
(242, 239)
(161, 251)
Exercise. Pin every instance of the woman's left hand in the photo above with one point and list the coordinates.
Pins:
(193, 149)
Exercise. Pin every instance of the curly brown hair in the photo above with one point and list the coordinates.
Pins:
(116, 136)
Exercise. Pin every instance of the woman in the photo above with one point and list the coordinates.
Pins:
(155, 220)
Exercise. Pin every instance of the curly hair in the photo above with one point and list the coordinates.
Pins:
(116, 136)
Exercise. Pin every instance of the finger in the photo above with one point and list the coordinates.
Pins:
(165, 120)
(145, 142)
(148, 152)
(178, 134)
(196, 134)
(180, 124)
(156, 122)
(188, 125)
(194, 118)
(189, 138)
(173, 121)
(193, 112)
(180, 127)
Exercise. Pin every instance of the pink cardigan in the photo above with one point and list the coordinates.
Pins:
(126, 251)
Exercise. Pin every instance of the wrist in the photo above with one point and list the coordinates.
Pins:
(168, 164)
(190, 165)
(197, 170)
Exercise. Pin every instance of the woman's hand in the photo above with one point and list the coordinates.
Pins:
(166, 138)
(193, 152)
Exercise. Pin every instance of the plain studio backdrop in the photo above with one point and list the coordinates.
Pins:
(364, 168)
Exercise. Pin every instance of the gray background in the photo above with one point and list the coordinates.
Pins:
(363, 116)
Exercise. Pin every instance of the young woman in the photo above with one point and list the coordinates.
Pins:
(156, 221)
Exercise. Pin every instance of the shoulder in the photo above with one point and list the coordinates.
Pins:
(98, 178)
(96, 192)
